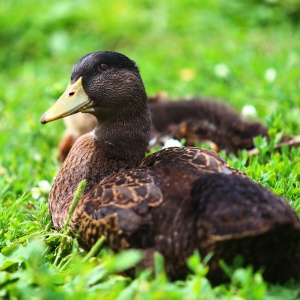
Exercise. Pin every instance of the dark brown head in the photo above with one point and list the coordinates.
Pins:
(105, 84)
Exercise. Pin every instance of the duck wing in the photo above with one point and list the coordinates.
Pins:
(191, 159)
(120, 208)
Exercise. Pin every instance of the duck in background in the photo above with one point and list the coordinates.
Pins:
(196, 120)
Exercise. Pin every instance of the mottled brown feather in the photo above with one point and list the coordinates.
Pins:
(127, 188)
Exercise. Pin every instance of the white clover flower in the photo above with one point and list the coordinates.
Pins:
(44, 186)
(36, 193)
(37, 156)
(270, 75)
(172, 143)
(222, 70)
(249, 111)
(153, 141)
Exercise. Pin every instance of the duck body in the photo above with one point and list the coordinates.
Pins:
(174, 201)
(199, 121)
(218, 211)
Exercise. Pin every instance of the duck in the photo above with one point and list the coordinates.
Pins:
(195, 120)
(175, 201)
(199, 121)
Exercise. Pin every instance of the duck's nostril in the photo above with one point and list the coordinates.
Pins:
(71, 94)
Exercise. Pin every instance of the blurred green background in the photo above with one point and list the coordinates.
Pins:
(242, 52)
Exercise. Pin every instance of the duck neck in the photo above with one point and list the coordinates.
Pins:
(124, 139)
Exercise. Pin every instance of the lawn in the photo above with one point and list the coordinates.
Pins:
(241, 52)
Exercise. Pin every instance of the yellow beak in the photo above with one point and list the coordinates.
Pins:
(72, 101)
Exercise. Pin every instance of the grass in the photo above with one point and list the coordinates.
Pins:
(181, 47)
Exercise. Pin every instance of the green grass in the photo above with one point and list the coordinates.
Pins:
(41, 40)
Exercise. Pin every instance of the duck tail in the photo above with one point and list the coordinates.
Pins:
(238, 217)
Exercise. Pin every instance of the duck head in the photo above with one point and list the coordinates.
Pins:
(105, 84)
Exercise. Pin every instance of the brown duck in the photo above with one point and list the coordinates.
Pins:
(196, 120)
(173, 201)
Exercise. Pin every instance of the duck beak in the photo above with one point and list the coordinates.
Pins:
(72, 101)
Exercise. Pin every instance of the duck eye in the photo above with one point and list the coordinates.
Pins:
(103, 67)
